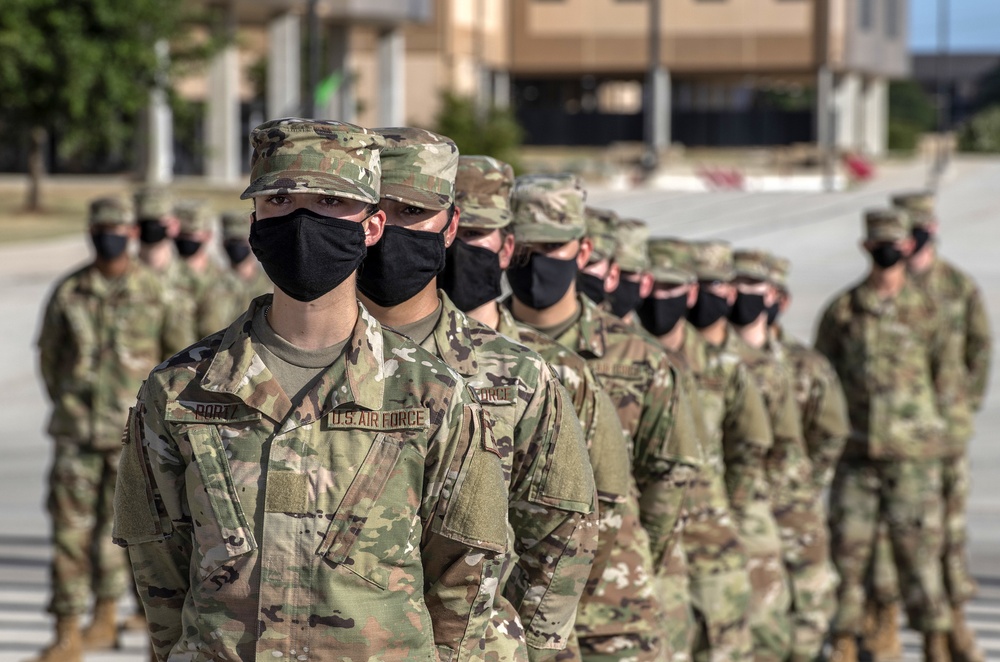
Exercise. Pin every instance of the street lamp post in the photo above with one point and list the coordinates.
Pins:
(942, 71)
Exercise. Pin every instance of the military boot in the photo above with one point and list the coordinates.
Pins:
(961, 640)
(936, 647)
(845, 648)
(883, 641)
(68, 646)
(102, 633)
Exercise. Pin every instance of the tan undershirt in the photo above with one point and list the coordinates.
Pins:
(422, 329)
(562, 327)
(294, 368)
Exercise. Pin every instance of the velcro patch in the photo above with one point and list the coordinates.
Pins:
(496, 395)
(187, 411)
(627, 371)
(413, 418)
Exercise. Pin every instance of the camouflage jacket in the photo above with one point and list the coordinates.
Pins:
(552, 499)
(957, 294)
(371, 517)
(99, 340)
(656, 418)
(174, 280)
(210, 298)
(822, 408)
(901, 370)
(736, 419)
(242, 292)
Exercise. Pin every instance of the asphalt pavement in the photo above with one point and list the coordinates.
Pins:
(820, 232)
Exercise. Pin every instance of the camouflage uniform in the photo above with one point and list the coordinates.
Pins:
(366, 521)
(209, 292)
(236, 227)
(903, 383)
(719, 584)
(623, 618)
(736, 413)
(99, 339)
(553, 533)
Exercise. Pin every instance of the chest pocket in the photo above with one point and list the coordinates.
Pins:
(220, 527)
(371, 530)
(624, 383)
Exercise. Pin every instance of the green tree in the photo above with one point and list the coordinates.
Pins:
(83, 67)
(981, 133)
(911, 113)
(494, 132)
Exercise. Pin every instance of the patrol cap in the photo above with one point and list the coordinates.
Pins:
(111, 210)
(482, 192)
(886, 224)
(418, 167)
(919, 205)
(195, 216)
(630, 253)
(712, 260)
(548, 208)
(752, 264)
(601, 231)
(669, 261)
(153, 202)
(777, 273)
(235, 224)
(294, 155)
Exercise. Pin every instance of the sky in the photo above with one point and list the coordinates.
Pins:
(975, 25)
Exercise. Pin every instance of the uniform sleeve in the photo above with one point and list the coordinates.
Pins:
(950, 379)
(464, 544)
(215, 307)
(153, 521)
(825, 423)
(978, 347)
(789, 467)
(554, 518)
(52, 341)
(746, 439)
(828, 337)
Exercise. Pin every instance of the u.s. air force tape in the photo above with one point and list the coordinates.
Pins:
(392, 419)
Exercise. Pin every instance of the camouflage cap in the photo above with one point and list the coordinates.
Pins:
(887, 224)
(548, 208)
(111, 210)
(630, 253)
(418, 167)
(294, 155)
(919, 205)
(236, 224)
(670, 261)
(153, 202)
(601, 231)
(753, 264)
(195, 216)
(777, 273)
(482, 192)
(712, 260)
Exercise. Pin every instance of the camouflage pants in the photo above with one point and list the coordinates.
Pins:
(806, 552)
(906, 496)
(673, 589)
(958, 582)
(721, 604)
(623, 648)
(771, 598)
(81, 500)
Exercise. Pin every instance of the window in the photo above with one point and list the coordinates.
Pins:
(892, 18)
(866, 11)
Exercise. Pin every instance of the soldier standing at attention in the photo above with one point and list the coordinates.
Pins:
(599, 277)
(903, 378)
(246, 278)
(796, 504)
(205, 283)
(624, 618)
(716, 560)
(552, 500)
(104, 328)
(305, 482)
(635, 282)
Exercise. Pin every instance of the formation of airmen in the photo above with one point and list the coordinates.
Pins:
(625, 458)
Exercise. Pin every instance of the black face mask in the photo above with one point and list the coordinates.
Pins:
(886, 255)
(109, 245)
(151, 231)
(471, 275)
(401, 264)
(772, 314)
(660, 316)
(708, 309)
(746, 309)
(187, 247)
(592, 286)
(306, 254)
(543, 281)
(625, 298)
(921, 237)
(237, 251)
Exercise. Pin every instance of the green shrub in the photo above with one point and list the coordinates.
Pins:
(494, 132)
(903, 136)
(982, 132)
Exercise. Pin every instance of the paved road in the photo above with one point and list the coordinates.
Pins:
(820, 232)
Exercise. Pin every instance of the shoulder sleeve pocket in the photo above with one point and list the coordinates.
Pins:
(137, 516)
(566, 478)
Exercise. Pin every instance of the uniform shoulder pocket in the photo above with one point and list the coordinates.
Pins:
(137, 506)
(565, 478)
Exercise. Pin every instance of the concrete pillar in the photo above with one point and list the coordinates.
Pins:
(501, 89)
(847, 95)
(875, 116)
(343, 105)
(658, 109)
(223, 117)
(391, 47)
(160, 126)
(284, 67)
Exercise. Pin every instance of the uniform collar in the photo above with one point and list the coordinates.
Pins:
(94, 282)
(453, 338)
(591, 329)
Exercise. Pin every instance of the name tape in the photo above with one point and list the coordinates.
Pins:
(394, 419)
(496, 395)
